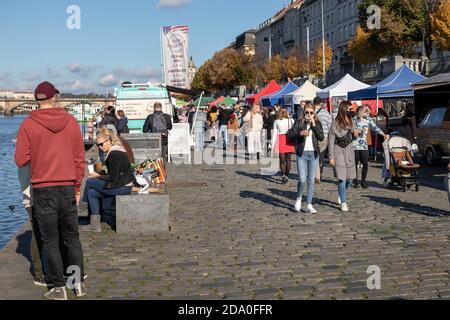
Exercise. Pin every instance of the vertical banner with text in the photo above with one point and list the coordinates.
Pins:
(175, 45)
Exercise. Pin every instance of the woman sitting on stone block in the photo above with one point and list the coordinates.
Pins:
(118, 180)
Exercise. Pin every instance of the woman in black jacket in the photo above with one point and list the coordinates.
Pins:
(118, 180)
(306, 134)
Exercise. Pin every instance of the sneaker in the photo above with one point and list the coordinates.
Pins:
(56, 294)
(40, 282)
(339, 200)
(364, 185)
(284, 180)
(356, 185)
(310, 209)
(80, 289)
(344, 207)
(298, 205)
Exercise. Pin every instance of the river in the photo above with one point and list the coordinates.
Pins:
(10, 193)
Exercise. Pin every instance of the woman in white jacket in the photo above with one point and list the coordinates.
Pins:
(281, 143)
(254, 136)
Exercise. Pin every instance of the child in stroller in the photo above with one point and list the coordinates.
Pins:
(400, 168)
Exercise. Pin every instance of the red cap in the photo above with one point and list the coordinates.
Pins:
(45, 91)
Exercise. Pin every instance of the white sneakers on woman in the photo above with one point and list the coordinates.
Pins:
(344, 207)
(298, 205)
(309, 208)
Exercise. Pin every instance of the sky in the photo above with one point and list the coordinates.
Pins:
(117, 40)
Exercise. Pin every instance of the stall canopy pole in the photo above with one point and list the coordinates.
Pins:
(196, 112)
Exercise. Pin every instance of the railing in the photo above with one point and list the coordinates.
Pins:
(436, 66)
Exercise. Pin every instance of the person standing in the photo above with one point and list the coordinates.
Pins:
(306, 134)
(409, 123)
(90, 127)
(448, 182)
(325, 119)
(269, 117)
(233, 132)
(364, 124)
(341, 151)
(159, 122)
(109, 118)
(122, 125)
(50, 141)
(254, 135)
(282, 145)
(200, 127)
(224, 119)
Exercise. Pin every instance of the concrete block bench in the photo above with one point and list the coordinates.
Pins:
(142, 214)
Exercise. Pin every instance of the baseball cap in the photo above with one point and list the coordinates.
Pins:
(45, 91)
(317, 100)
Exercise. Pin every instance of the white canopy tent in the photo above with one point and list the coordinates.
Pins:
(306, 92)
(342, 87)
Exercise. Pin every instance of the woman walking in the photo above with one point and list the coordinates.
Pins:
(281, 144)
(341, 151)
(364, 124)
(306, 134)
(255, 119)
(122, 126)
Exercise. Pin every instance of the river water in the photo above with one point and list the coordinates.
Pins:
(10, 193)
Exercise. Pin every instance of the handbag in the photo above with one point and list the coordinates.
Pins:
(344, 141)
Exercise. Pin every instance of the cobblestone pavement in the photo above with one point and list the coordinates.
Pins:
(238, 238)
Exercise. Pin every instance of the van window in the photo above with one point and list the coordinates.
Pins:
(434, 118)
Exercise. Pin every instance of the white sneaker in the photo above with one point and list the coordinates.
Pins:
(344, 207)
(298, 205)
(339, 200)
(310, 209)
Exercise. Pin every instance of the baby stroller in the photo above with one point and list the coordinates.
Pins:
(400, 168)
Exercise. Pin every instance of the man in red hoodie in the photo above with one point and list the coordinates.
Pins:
(50, 141)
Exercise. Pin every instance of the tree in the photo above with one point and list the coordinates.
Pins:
(365, 47)
(200, 81)
(316, 61)
(294, 67)
(440, 24)
(405, 24)
(274, 69)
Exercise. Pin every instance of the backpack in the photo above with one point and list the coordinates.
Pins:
(159, 124)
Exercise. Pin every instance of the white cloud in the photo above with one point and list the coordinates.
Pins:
(117, 76)
(83, 70)
(75, 86)
(172, 3)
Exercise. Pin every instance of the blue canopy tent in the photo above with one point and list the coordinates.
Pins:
(278, 97)
(398, 84)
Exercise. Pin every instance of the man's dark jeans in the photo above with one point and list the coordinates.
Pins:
(57, 216)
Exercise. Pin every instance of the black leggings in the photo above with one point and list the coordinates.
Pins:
(363, 157)
(285, 163)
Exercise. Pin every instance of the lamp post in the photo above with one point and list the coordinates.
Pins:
(323, 49)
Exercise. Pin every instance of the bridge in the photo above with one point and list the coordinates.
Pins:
(28, 105)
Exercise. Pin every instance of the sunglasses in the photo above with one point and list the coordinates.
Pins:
(309, 112)
(100, 145)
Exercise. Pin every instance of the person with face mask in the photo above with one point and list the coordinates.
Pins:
(364, 124)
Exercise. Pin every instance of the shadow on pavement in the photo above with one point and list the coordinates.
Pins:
(23, 246)
(266, 199)
(259, 176)
(411, 207)
(292, 195)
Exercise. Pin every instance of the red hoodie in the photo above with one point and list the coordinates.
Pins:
(50, 140)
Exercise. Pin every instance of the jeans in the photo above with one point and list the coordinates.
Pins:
(342, 187)
(57, 218)
(223, 136)
(95, 191)
(307, 166)
(199, 139)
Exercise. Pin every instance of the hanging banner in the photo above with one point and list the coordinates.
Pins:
(175, 45)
